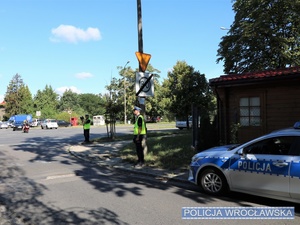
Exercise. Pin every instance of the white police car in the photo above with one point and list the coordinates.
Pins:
(267, 166)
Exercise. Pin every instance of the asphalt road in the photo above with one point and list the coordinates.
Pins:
(67, 134)
(42, 184)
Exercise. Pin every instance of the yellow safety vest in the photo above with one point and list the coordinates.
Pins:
(87, 126)
(136, 126)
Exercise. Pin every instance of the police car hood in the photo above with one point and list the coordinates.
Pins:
(217, 150)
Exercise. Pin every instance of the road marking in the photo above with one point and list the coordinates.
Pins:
(60, 176)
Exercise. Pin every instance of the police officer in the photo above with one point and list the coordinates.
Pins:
(139, 131)
(86, 128)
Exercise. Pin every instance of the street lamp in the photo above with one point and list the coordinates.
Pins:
(224, 28)
(125, 117)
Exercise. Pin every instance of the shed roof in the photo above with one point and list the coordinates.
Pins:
(255, 76)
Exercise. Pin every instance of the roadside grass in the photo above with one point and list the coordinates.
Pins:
(167, 151)
(171, 152)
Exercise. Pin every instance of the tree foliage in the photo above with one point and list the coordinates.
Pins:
(26, 103)
(175, 96)
(265, 34)
(18, 97)
(185, 88)
(92, 104)
(69, 101)
(46, 101)
(123, 91)
(153, 103)
(113, 103)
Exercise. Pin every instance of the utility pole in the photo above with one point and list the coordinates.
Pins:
(142, 100)
(140, 46)
(140, 29)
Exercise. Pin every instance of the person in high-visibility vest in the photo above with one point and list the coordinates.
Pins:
(139, 131)
(86, 128)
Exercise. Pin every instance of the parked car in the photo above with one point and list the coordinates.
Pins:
(35, 122)
(153, 119)
(49, 124)
(3, 125)
(9, 123)
(17, 125)
(63, 123)
(267, 166)
(181, 123)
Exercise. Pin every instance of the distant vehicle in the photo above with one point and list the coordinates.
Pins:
(35, 122)
(63, 123)
(154, 119)
(9, 123)
(3, 125)
(25, 128)
(20, 118)
(181, 123)
(49, 124)
(17, 125)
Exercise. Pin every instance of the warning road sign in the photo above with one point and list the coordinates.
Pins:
(143, 59)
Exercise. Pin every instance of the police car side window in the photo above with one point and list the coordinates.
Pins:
(284, 144)
(271, 146)
(295, 148)
(256, 148)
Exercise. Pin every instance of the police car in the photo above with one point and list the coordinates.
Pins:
(267, 166)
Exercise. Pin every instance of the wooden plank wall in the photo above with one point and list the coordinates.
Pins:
(280, 108)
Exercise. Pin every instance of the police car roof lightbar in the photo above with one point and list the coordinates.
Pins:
(297, 125)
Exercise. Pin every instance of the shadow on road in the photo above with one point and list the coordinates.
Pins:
(20, 195)
(19, 198)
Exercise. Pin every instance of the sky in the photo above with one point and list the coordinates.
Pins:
(78, 44)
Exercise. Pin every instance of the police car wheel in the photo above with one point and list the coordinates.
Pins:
(213, 182)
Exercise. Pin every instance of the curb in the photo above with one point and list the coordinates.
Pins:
(162, 176)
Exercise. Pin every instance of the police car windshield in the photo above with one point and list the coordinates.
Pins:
(233, 146)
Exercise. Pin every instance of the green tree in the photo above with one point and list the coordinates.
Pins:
(265, 34)
(126, 93)
(46, 101)
(69, 101)
(124, 88)
(26, 105)
(114, 103)
(186, 87)
(18, 97)
(92, 104)
(153, 106)
(164, 102)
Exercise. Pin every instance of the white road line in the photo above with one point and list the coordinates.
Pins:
(60, 176)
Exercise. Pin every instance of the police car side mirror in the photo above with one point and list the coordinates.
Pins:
(240, 151)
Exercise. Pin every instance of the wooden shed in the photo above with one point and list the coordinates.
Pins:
(256, 103)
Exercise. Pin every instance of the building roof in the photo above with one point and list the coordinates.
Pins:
(255, 76)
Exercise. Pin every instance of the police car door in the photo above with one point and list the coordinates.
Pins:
(263, 167)
(295, 170)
